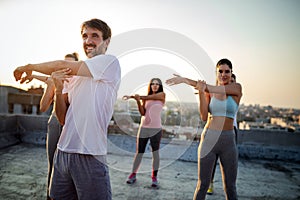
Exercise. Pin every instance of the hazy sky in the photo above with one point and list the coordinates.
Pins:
(261, 38)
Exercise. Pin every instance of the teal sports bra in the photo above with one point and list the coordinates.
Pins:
(224, 108)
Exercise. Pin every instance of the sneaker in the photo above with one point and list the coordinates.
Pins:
(210, 190)
(131, 178)
(154, 181)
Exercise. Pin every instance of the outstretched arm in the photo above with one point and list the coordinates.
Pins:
(161, 96)
(234, 89)
(140, 105)
(78, 68)
(179, 79)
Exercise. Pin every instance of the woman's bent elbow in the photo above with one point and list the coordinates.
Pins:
(43, 108)
(61, 120)
(203, 117)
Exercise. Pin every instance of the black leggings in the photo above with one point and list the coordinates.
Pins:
(144, 134)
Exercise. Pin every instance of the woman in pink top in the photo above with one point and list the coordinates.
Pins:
(150, 127)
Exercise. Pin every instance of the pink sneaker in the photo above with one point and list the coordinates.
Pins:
(131, 178)
(154, 181)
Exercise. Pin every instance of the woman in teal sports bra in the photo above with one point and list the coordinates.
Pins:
(235, 126)
(220, 103)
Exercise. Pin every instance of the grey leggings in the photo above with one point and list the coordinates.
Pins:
(214, 170)
(53, 134)
(217, 143)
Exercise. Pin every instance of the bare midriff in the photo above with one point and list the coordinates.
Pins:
(219, 123)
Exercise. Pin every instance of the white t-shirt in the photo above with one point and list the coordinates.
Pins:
(91, 107)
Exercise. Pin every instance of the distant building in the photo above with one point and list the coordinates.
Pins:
(33, 90)
(278, 121)
(4, 91)
(18, 101)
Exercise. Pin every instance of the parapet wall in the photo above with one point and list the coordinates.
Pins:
(269, 138)
(9, 132)
(17, 128)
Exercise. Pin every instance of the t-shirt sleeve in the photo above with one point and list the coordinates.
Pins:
(104, 67)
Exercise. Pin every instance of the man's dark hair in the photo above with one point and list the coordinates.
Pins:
(97, 24)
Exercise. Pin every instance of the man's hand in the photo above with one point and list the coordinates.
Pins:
(19, 71)
(26, 79)
(59, 77)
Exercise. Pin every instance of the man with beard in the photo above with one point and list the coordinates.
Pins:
(85, 95)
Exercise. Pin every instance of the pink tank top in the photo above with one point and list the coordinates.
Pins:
(152, 118)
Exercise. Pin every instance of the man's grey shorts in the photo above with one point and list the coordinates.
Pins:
(79, 176)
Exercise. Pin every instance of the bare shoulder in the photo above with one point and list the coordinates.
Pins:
(239, 87)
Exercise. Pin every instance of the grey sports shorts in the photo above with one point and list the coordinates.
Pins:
(79, 176)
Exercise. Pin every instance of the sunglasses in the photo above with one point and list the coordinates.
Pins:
(154, 84)
(227, 71)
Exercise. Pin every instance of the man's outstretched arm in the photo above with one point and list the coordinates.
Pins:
(78, 68)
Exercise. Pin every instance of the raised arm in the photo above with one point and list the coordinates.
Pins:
(48, 95)
(78, 68)
(204, 100)
(61, 101)
(61, 106)
(141, 106)
(179, 79)
(234, 89)
(161, 96)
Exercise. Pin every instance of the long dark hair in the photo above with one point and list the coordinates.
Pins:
(160, 89)
(223, 61)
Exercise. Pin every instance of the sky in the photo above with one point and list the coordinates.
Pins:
(261, 38)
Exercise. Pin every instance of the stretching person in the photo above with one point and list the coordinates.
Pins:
(235, 125)
(54, 127)
(84, 107)
(210, 190)
(150, 127)
(218, 137)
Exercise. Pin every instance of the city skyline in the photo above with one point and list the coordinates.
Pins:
(259, 37)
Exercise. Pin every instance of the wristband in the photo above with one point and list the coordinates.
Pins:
(58, 92)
